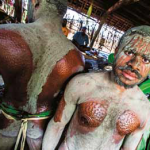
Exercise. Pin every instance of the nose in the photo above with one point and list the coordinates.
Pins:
(135, 63)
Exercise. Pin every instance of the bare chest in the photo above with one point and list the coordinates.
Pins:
(110, 109)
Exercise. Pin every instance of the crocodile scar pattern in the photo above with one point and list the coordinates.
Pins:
(91, 114)
(127, 122)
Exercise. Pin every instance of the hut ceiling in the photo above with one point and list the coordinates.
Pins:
(127, 16)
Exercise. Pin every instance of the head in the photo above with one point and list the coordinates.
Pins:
(83, 30)
(64, 22)
(49, 8)
(132, 57)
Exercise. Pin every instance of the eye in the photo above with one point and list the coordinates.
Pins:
(146, 61)
(129, 53)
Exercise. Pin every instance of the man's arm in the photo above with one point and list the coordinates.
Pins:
(133, 140)
(56, 125)
(63, 114)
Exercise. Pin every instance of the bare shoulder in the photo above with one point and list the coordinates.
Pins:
(12, 27)
(83, 83)
(87, 78)
(139, 95)
(77, 87)
(140, 103)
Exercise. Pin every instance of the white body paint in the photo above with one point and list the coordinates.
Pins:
(98, 86)
(47, 44)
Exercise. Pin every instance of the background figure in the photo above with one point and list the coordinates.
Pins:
(105, 109)
(64, 28)
(80, 39)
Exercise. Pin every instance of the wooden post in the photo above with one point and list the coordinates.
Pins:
(103, 18)
(119, 4)
(18, 10)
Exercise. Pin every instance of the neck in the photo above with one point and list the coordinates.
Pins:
(50, 21)
(113, 78)
(50, 9)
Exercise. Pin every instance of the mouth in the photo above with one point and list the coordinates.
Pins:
(129, 75)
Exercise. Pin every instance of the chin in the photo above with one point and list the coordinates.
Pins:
(122, 81)
(124, 84)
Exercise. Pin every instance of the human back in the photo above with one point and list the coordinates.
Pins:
(35, 63)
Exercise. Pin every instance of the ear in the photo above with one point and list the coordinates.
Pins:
(34, 2)
(116, 51)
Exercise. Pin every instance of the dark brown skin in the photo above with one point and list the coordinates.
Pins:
(16, 66)
(58, 114)
(63, 69)
(61, 72)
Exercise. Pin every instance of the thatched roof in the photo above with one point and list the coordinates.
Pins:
(127, 16)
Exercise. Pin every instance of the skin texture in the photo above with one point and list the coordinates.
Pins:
(127, 122)
(92, 114)
(59, 112)
(36, 60)
(105, 114)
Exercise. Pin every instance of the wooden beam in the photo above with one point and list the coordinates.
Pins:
(144, 5)
(135, 16)
(132, 14)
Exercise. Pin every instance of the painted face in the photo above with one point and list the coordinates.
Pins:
(133, 63)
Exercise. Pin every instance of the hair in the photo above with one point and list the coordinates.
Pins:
(64, 22)
(143, 30)
(84, 28)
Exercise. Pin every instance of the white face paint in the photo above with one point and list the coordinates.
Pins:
(133, 56)
(132, 41)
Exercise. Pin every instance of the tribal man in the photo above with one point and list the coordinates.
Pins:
(107, 111)
(35, 61)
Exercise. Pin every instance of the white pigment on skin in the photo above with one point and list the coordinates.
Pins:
(47, 44)
(127, 42)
